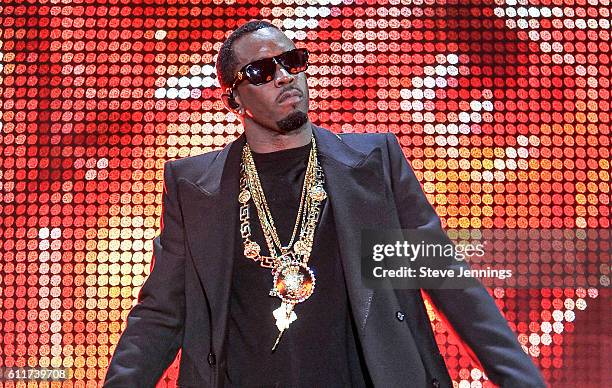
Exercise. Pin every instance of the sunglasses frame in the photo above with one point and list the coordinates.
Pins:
(241, 75)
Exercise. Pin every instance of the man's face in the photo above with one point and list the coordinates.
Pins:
(280, 105)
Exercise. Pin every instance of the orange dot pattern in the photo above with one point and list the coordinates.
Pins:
(502, 108)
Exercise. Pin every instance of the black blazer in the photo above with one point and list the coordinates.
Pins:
(184, 302)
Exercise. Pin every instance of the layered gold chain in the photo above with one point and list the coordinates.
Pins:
(307, 216)
(294, 281)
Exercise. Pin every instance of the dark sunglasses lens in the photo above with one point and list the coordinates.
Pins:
(295, 61)
(263, 70)
(260, 72)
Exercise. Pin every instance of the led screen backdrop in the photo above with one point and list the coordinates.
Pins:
(502, 107)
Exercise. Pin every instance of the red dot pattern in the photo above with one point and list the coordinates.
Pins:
(502, 108)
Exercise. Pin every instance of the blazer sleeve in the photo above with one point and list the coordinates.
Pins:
(154, 330)
(471, 311)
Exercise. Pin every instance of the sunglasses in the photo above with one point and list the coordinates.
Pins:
(262, 71)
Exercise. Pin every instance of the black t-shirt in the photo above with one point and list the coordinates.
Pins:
(320, 348)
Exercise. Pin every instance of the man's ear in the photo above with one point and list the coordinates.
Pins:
(230, 101)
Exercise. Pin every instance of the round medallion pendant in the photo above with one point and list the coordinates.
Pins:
(244, 196)
(251, 249)
(300, 247)
(294, 282)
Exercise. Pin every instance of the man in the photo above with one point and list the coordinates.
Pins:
(257, 268)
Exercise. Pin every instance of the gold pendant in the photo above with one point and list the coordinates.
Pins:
(244, 196)
(294, 282)
(300, 247)
(251, 250)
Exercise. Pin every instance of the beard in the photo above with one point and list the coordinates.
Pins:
(292, 121)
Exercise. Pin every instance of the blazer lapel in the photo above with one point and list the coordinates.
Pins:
(358, 195)
(210, 224)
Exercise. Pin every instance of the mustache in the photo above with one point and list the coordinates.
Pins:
(285, 90)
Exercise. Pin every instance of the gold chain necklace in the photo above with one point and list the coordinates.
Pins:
(254, 186)
(294, 281)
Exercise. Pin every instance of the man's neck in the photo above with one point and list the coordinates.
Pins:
(264, 141)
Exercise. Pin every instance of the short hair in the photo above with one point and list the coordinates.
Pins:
(226, 59)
